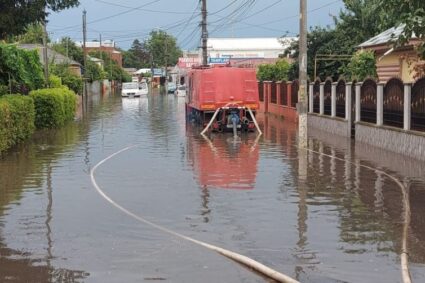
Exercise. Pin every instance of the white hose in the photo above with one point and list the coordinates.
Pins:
(255, 265)
(211, 121)
(255, 121)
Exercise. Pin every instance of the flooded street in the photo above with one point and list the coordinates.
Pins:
(332, 213)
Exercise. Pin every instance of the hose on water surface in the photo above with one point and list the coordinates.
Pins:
(259, 267)
(255, 265)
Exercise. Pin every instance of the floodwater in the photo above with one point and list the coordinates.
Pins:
(332, 213)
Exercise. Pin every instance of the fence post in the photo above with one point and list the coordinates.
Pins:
(333, 99)
(358, 90)
(322, 98)
(310, 101)
(348, 102)
(407, 115)
(380, 104)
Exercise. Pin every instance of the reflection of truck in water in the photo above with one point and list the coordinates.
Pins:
(224, 162)
(226, 95)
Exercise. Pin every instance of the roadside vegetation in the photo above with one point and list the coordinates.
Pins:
(358, 22)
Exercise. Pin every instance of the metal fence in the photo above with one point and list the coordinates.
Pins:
(327, 98)
(316, 97)
(261, 90)
(294, 93)
(340, 99)
(368, 101)
(273, 94)
(418, 105)
(393, 103)
(283, 93)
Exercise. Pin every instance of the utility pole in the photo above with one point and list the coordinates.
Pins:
(166, 56)
(302, 93)
(204, 33)
(84, 95)
(45, 57)
(84, 41)
(85, 55)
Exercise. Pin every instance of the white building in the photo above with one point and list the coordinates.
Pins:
(244, 48)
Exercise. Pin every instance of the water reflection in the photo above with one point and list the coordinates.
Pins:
(26, 243)
(319, 215)
(222, 161)
(375, 216)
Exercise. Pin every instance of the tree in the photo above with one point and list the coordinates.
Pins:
(68, 48)
(137, 56)
(273, 72)
(163, 49)
(71, 80)
(21, 68)
(33, 34)
(411, 14)
(361, 66)
(361, 20)
(16, 15)
(111, 68)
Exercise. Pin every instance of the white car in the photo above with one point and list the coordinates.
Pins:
(130, 89)
(181, 91)
(143, 88)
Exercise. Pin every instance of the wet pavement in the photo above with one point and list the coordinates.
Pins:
(331, 213)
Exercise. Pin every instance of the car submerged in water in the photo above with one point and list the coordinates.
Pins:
(130, 90)
(171, 87)
(143, 88)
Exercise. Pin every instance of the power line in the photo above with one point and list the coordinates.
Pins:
(110, 16)
(140, 8)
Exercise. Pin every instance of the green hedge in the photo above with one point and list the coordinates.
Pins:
(53, 106)
(17, 116)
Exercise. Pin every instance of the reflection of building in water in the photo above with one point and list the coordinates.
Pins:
(374, 210)
(224, 162)
(373, 216)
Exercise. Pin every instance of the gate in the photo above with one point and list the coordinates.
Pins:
(368, 101)
(283, 93)
(316, 97)
(327, 101)
(393, 103)
(340, 99)
(418, 106)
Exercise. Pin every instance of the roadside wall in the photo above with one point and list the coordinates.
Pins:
(398, 141)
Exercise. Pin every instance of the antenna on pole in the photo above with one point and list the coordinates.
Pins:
(204, 33)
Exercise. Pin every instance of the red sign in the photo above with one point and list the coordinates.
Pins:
(185, 62)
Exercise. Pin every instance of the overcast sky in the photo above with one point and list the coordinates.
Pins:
(126, 20)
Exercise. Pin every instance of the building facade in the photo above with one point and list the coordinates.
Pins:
(107, 46)
(238, 50)
(402, 62)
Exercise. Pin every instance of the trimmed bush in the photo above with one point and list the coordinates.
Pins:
(53, 106)
(5, 122)
(17, 116)
(55, 81)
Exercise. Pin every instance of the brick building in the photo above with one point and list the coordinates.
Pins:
(107, 46)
